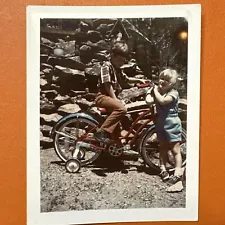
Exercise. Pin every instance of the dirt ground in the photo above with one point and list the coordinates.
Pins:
(110, 184)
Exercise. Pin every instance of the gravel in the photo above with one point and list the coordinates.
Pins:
(110, 184)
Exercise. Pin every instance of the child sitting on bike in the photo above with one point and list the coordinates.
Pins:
(112, 81)
(168, 124)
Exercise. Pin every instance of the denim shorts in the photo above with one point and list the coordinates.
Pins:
(169, 129)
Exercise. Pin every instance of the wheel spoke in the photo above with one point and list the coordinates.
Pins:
(66, 136)
(149, 149)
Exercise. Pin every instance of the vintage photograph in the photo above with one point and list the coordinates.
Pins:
(113, 98)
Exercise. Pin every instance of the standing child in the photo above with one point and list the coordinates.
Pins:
(168, 124)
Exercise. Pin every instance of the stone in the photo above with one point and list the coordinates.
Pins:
(45, 130)
(46, 142)
(84, 27)
(92, 76)
(94, 36)
(63, 71)
(49, 119)
(61, 100)
(85, 49)
(68, 108)
(132, 94)
(74, 63)
(136, 105)
(44, 84)
(69, 79)
(47, 42)
(101, 56)
(50, 94)
(43, 58)
(55, 87)
(84, 104)
(47, 70)
(102, 28)
(98, 22)
(46, 66)
(47, 108)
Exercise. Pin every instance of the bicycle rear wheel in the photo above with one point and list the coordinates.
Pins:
(65, 140)
(149, 150)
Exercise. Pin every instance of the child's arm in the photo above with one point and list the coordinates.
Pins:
(149, 98)
(109, 90)
(161, 99)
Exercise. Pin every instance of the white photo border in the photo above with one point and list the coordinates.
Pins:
(192, 12)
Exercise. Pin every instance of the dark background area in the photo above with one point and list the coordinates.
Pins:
(154, 43)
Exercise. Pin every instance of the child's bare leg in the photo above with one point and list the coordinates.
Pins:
(163, 154)
(175, 180)
(175, 147)
(163, 158)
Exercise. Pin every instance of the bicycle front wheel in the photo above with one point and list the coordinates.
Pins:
(149, 150)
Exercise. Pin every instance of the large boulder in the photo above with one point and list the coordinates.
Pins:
(68, 62)
(92, 76)
(70, 79)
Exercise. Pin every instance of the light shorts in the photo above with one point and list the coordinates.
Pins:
(169, 129)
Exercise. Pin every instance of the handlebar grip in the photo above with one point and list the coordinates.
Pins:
(146, 84)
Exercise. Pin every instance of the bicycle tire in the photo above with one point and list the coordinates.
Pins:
(64, 145)
(149, 150)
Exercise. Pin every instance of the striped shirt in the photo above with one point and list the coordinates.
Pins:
(114, 76)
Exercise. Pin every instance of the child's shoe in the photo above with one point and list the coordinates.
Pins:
(102, 136)
(174, 179)
(164, 175)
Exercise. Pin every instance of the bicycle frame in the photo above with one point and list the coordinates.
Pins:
(144, 113)
(137, 132)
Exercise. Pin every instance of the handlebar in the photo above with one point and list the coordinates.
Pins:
(147, 83)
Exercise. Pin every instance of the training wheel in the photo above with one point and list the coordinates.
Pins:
(73, 165)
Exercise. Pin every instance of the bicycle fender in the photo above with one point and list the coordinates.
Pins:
(71, 116)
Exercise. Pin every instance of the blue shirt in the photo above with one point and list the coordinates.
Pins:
(170, 109)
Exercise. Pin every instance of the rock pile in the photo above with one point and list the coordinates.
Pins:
(70, 65)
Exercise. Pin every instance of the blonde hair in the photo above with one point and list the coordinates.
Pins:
(170, 75)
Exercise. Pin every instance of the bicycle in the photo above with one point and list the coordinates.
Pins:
(74, 141)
